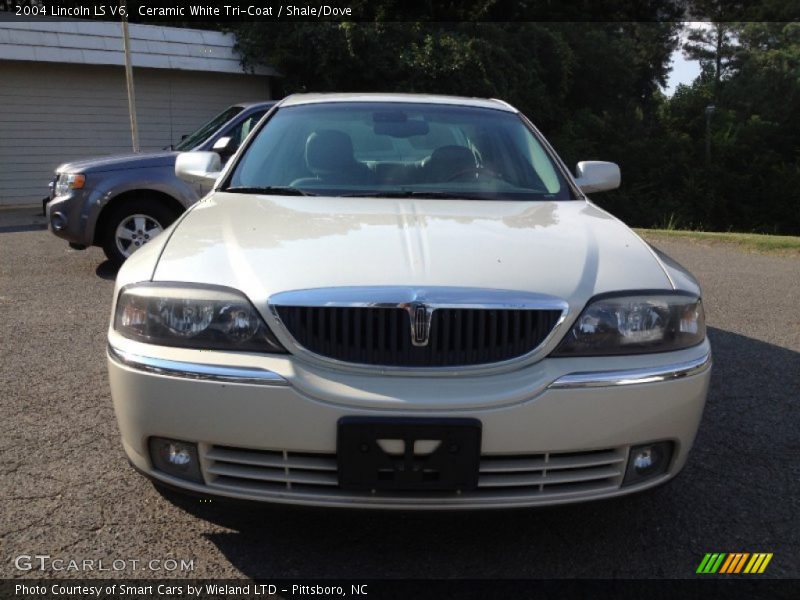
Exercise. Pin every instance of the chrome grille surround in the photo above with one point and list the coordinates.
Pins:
(310, 477)
(409, 300)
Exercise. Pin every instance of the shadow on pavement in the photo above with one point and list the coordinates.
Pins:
(21, 228)
(19, 219)
(739, 492)
(107, 270)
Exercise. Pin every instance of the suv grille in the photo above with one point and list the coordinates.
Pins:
(382, 336)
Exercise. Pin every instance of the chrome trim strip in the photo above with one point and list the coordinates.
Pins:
(633, 376)
(405, 297)
(398, 296)
(196, 371)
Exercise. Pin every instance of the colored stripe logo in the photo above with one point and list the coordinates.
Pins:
(734, 563)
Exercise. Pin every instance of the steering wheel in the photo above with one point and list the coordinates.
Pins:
(478, 171)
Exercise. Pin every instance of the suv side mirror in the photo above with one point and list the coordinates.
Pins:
(198, 167)
(223, 144)
(597, 176)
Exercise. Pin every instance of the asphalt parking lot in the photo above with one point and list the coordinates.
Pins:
(67, 490)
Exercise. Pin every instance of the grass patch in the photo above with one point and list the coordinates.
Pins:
(753, 241)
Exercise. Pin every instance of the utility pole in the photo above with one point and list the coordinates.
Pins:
(126, 44)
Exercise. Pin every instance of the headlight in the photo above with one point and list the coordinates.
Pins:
(191, 316)
(635, 325)
(69, 181)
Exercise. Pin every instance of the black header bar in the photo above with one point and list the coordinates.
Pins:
(186, 12)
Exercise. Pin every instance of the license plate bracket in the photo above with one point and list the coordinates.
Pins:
(398, 453)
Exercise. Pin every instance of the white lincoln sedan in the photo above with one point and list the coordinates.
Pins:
(407, 302)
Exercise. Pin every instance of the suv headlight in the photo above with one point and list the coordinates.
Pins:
(192, 316)
(635, 324)
(69, 181)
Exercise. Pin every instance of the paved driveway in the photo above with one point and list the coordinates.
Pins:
(67, 490)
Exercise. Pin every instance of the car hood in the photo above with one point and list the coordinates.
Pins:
(263, 245)
(119, 161)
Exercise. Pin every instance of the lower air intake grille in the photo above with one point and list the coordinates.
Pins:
(500, 476)
(383, 336)
(271, 469)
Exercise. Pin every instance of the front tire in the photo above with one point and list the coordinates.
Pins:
(131, 225)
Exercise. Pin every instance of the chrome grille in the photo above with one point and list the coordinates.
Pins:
(552, 472)
(385, 337)
(271, 469)
(501, 476)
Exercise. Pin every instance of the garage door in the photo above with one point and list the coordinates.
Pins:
(54, 113)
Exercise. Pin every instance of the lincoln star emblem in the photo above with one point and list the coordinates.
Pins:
(420, 323)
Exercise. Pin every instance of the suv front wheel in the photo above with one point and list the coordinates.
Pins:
(131, 225)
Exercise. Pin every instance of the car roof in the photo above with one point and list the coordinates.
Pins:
(264, 104)
(297, 99)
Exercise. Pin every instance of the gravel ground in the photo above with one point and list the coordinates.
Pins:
(67, 490)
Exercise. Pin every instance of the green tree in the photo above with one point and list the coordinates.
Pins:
(594, 88)
(751, 181)
(712, 44)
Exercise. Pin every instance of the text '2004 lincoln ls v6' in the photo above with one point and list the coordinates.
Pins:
(404, 301)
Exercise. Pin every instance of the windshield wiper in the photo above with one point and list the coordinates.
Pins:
(274, 190)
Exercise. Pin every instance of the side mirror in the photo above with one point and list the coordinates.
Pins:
(223, 144)
(198, 167)
(597, 176)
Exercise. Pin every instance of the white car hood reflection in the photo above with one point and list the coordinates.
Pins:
(263, 245)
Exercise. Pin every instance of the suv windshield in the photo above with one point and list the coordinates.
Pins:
(202, 134)
(398, 150)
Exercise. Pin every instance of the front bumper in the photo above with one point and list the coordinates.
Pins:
(72, 217)
(266, 429)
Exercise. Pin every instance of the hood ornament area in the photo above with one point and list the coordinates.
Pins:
(364, 327)
(420, 316)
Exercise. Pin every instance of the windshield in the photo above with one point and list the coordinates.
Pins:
(399, 149)
(207, 130)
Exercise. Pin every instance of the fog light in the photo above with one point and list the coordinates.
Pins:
(176, 458)
(178, 455)
(643, 460)
(647, 461)
(58, 221)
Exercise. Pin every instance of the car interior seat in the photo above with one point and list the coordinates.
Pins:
(448, 161)
(330, 157)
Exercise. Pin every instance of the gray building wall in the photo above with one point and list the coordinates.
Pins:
(63, 93)
(53, 113)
